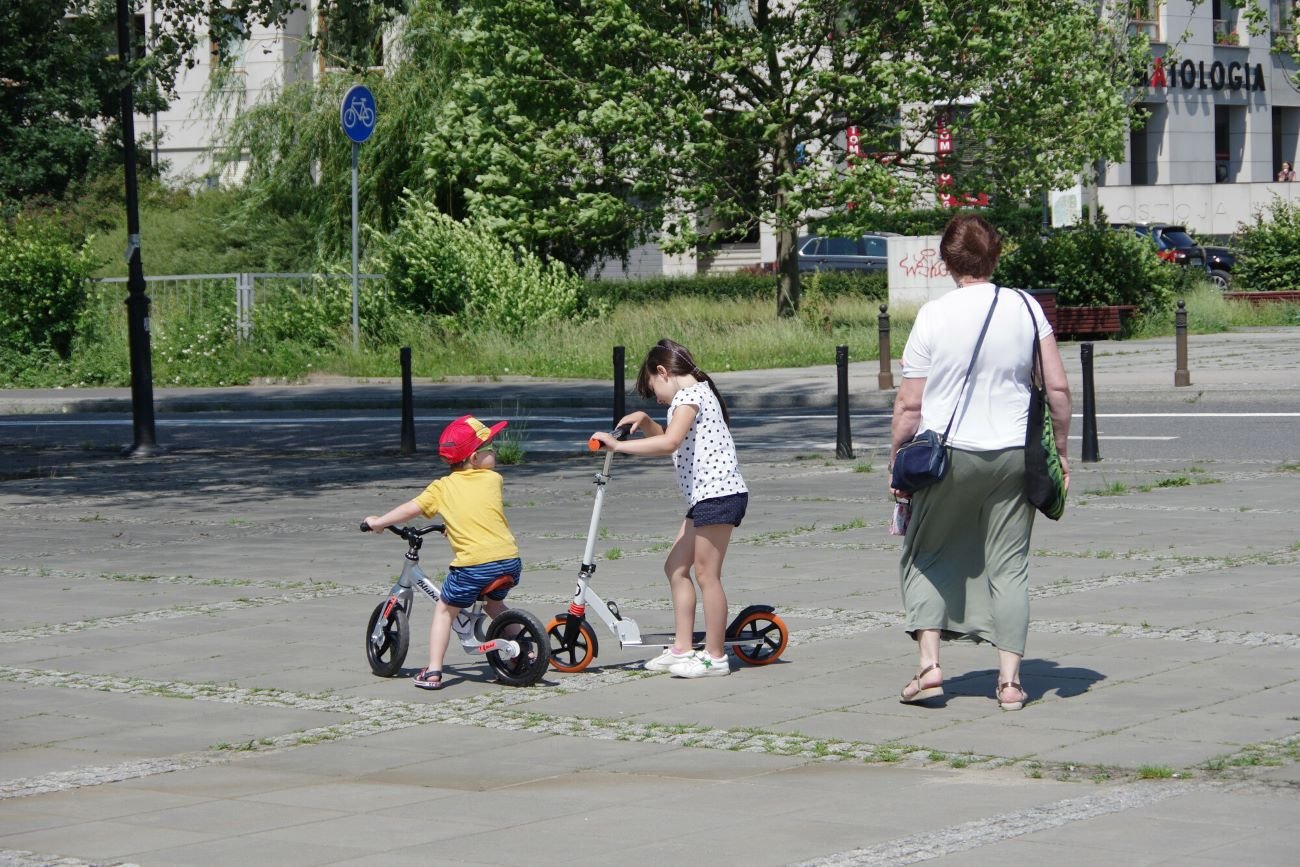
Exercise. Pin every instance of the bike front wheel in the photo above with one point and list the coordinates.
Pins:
(525, 629)
(389, 652)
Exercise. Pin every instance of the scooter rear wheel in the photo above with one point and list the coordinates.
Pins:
(386, 659)
(524, 628)
(570, 658)
(761, 636)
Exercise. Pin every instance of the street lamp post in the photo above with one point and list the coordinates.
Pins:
(137, 303)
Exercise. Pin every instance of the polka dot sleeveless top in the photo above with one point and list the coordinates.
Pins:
(706, 460)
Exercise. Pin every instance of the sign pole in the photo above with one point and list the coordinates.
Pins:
(357, 114)
(356, 282)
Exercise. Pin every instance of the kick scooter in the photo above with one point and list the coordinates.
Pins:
(757, 635)
(514, 642)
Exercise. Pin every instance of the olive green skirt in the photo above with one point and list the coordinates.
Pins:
(965, 563)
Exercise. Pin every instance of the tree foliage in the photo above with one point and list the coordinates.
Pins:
(59, 96)
(580, 127)
(299, 163)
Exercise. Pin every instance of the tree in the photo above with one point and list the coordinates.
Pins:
(580, 127)
(59, 96)
(299, 162)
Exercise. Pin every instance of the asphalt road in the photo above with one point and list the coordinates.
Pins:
(1244, 431)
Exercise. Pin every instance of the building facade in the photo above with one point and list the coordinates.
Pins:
(1222, 107)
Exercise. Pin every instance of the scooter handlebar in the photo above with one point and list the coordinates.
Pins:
(619, 433)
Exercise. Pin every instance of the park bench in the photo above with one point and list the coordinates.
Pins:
(1291, 297)
(1080, 322)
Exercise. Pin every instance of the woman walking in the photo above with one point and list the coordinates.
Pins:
(965, 563)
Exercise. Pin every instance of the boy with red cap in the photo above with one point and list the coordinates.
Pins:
(469, 501)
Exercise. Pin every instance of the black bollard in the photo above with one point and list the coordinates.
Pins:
(1090, 455)
(886, 376)
(620, 408)
(1182, 376)
(843, 442)
(408, 405)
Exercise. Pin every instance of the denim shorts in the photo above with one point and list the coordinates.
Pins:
(719, 510)
(465, 583)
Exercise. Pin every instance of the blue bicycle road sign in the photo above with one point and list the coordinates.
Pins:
(357, 113)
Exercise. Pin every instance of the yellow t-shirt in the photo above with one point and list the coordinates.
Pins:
(469, 501)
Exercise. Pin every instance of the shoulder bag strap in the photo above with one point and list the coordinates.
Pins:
(971, 366)
(1036, 378)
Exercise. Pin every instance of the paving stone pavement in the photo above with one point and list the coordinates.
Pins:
(183, 678)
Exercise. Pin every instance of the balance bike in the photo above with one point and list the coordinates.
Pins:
(757, 635)
(514, 643)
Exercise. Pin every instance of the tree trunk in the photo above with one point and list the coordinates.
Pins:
(787, 272)
(787, 253)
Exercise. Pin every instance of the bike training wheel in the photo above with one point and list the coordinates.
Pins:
(575, 658)
(762, 636)
(386, 659)
(530, 665)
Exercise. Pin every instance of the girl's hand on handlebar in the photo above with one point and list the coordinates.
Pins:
(373, 522)
(602, 440)
(633, 420)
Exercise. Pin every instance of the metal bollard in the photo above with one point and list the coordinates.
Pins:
(1090, 455)
(620, 397)
(1182, 376)
(408, 404)
(886, 376)
(843, 442)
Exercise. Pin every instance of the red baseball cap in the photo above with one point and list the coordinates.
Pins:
(464, 436)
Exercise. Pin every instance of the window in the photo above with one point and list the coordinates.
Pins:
(875, 246)
(226, 40)
(841, 247)
(1143, 18)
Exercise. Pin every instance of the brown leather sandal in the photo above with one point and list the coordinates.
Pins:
(922, 692)
(1010, 705)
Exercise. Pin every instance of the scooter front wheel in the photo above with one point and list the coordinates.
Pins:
(527, 631)
(571, 658)
(387, 656)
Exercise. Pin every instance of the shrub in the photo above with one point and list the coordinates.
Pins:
(1268, 250)
(42, 288)
(1092, 266)
(469, 278)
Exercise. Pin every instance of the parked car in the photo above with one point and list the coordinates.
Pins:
(867, 252)
(1173, 244)
(1219, 262)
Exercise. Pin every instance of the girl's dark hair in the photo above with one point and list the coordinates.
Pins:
(677, 360)
(970, 246)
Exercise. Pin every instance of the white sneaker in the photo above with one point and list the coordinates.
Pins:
(666, 660)
(700, 664)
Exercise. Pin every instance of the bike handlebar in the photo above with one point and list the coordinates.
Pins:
(409, 532)
(619, 433)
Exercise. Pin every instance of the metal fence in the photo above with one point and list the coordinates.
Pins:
(184, 296)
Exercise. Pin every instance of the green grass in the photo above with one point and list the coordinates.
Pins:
(1208, 312)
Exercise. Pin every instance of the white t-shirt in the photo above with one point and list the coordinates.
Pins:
(996, 400)
(706, 460)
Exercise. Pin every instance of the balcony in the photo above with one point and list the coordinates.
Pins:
(1225, 32)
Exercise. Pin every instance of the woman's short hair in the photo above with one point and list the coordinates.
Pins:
(970, 246)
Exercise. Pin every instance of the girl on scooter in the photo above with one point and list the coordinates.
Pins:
(698, 436)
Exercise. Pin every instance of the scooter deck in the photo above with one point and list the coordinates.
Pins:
(664, 639)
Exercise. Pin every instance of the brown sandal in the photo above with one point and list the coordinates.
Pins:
(1010, 705)
(922, 692)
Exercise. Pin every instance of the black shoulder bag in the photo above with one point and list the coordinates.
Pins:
(1044, 480)
(923, 460)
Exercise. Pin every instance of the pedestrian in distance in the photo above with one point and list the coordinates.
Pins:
(964, 568)
(469, 500)
(1286, 173)
(698, 436)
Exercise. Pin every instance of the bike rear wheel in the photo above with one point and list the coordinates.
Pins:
(534, 656)
(387, 656)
